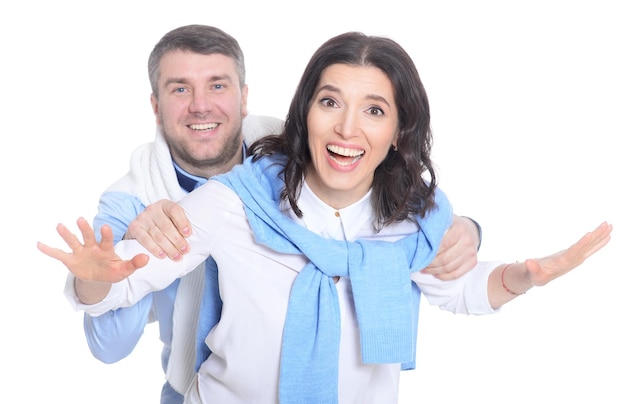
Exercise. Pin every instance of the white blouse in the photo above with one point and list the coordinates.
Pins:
(255, 283)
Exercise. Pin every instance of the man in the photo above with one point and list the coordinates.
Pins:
(199, 98)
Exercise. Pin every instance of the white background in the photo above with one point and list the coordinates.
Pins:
(528, 107)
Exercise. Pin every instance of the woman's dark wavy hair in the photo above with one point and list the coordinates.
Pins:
(399, 190)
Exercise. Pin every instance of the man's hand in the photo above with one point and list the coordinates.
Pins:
(457, 251)
(162, 229)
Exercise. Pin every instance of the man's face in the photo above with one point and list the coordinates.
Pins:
(200, 108)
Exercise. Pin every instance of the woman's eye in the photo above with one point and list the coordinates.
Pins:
(376, 111)
(328, 102)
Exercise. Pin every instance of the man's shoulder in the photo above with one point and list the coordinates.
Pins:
(255, 127)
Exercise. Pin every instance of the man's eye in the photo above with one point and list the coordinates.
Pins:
(179, 90)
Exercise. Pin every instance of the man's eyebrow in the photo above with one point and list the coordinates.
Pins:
(175, 80)
(182, 80)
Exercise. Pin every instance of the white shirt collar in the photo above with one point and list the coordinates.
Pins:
(342, 224)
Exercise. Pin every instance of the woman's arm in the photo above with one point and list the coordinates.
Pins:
(103, 271)
(95, 264)
(490, 285)
(509, 281)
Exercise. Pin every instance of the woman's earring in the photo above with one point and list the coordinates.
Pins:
(395, 147)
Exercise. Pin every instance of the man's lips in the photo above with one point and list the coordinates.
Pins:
(202, 126)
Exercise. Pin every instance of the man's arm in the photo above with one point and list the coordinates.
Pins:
(457, 252)
(162, 228)
(113, 335)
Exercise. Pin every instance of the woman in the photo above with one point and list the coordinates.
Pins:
(319, 239)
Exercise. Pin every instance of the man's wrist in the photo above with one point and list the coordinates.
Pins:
(479, 230)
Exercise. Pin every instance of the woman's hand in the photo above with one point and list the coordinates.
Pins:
(92, 261)
(546, 269)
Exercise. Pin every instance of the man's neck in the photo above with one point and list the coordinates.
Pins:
(204, 173)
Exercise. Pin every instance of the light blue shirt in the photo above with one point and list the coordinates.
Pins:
(113, 335)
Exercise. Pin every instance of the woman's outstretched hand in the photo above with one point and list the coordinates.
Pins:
(512, 280)
(92, 261)
(546, 269)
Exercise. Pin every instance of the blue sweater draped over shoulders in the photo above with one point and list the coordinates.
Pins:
(385, 298)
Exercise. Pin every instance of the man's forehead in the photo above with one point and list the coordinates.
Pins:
(179, 56)
(186, 65)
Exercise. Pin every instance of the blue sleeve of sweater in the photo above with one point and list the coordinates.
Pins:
(113, 335)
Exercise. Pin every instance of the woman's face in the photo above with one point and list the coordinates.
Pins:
(352, 123)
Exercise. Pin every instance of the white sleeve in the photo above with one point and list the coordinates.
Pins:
(70, 292)
(207, 210)
(464, 295)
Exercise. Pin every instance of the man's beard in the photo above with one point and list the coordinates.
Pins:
(230, 149)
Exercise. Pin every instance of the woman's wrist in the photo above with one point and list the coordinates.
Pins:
(514, 279)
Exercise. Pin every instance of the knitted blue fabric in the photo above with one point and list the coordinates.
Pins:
(385, 299)
(210, 311)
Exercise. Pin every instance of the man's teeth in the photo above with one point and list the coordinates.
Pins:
(203, 126)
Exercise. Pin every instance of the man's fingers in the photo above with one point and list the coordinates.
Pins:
(460, 269)
(145, 238)
(168, 236)
(178, 219)
(161, 228)
(155, 241)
